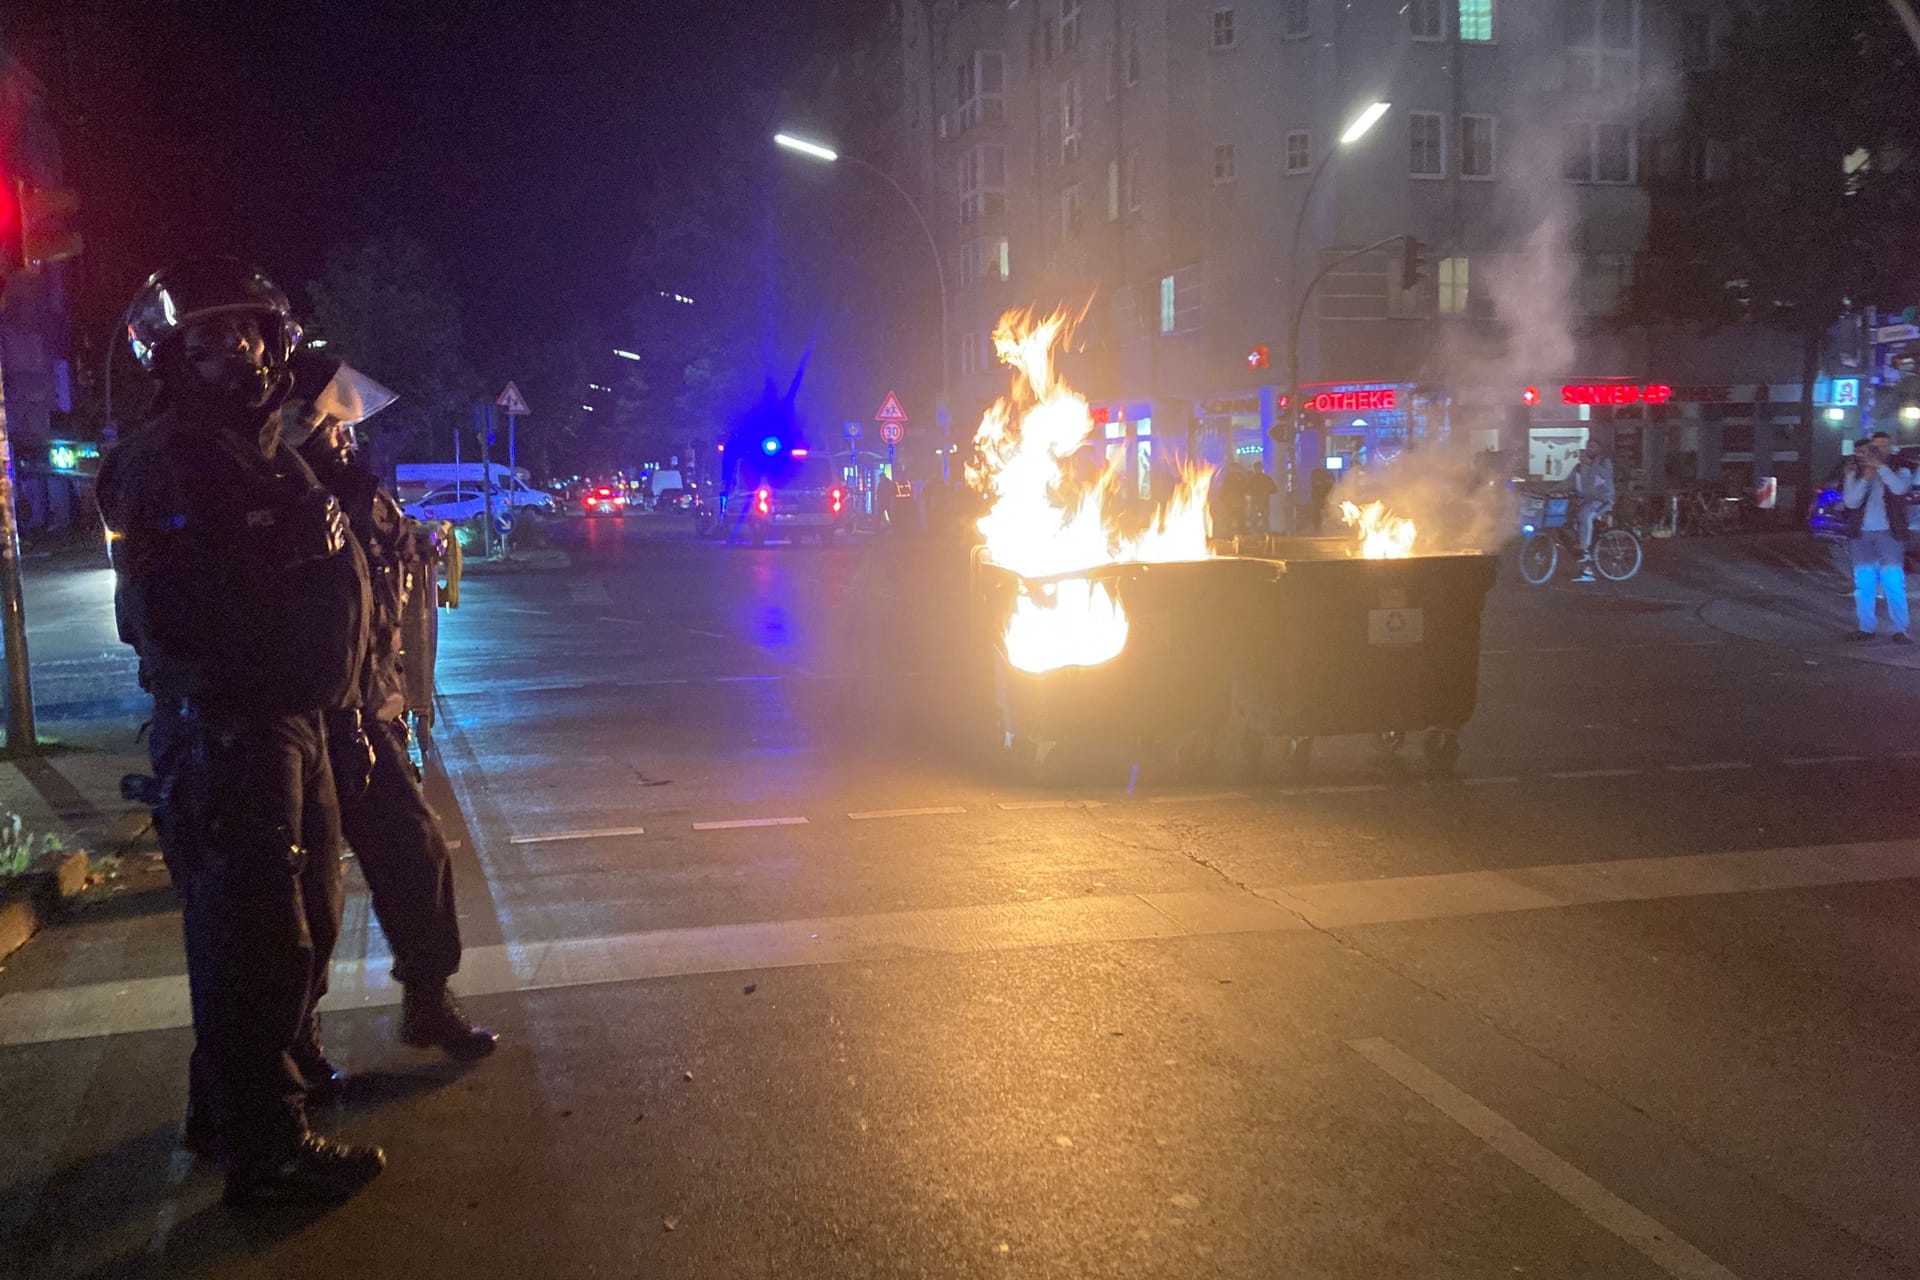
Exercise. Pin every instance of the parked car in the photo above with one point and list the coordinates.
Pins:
(456, 503)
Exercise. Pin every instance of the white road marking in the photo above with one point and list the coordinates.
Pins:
(744, 679)
(1594, 773)
(734, 823)
(1710, 766)
(1019, 805)
(1198, 797)
(599, 833)
(1659, 1243)
(75, 1012)
(868, 815)
(711, 635)
(1806, 760)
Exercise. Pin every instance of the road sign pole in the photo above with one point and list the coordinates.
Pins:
(486, 481)
(21, 737)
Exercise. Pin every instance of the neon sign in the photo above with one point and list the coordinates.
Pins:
(1352, 401)
(1615, 393)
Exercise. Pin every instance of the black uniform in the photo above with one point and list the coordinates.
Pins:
(248, 604)
(394, 834)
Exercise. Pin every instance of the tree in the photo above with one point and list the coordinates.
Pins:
(385, 306)
(1814, 210)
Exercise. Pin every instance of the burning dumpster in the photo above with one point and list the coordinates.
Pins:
(1384, 646)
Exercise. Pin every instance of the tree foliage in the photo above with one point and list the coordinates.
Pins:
(384, 305)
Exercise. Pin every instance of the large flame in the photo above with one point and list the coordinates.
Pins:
(1052, 512)
(1383, 535)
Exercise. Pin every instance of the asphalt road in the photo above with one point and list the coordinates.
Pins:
(795, 978)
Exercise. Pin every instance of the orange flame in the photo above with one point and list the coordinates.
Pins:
(1383, 535)
(1051, 514)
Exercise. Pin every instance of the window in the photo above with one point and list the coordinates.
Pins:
(983, 183)
(983, 259)
(1476, 21)
(1696, 41)
(1298, 20)
(1070, 118)
(982, 90)
(1426, 132)
(1113, 189)
(1424, 20)
(1069, 25)
(1603, 43)
(1299, 151)
(1476, 146)
(976, 354)
(1599, 151)
(1223, 29)
(1223, 166)
(1133, 181)
(1605, 281)
(1166, 304)
(1070, 213)
(1452, 280)
(1133, 56)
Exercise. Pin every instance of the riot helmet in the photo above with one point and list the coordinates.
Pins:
(224, 291)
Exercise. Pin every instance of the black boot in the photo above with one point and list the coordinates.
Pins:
(326, 1084)
(316, 1170)
(430, 1018)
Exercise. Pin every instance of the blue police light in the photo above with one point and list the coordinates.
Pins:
(770, 446)
(1526, 528)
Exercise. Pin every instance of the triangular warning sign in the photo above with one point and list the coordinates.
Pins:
(891, 411)
(512, 401)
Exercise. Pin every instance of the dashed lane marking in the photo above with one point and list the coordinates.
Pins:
(930, 811)
(1594, 773)
(597, 833)
(731, 824)
(1019, 805)
(154, 1004)
(1710, 766)
(1199, 797)
(1659, 1243)
(745, 679)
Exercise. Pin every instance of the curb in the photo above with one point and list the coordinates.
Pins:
(31, 901)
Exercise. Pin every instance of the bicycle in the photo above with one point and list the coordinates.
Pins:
(1708, 510)
(1616, 551)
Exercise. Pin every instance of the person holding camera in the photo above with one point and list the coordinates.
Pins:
(240, 586)
(1875, 488)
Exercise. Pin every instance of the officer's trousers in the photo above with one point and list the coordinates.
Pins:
(251, 835)
(404, 857)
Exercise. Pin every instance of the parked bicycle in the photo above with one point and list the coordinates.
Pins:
(1706, 510)
(1549, 528)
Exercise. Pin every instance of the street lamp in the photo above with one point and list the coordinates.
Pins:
(815, 151)
(1361, 126)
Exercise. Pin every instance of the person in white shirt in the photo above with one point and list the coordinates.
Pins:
(1875, 491)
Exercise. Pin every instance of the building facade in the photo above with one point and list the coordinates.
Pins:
(1157, 162)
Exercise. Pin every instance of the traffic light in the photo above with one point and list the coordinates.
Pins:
(1413, 264)
(1258, 358)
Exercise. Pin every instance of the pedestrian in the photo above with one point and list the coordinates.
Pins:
(1593, 488)
(1229, 502)
(1875, 490)
(401, 849)
(243, 594)
(1319, 491)
(1257, 497)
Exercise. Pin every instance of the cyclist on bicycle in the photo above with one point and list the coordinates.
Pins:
(1593, 487)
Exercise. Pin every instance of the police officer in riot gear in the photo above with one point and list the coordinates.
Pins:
(247, 600)
(396, 837)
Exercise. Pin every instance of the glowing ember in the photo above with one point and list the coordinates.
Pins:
(1052, 512)
(1383, 536)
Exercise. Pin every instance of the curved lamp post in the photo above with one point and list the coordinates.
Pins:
(827, 155)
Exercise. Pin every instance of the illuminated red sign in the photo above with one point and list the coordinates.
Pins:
(1615, 393)
(1352, 401)
(1102, 414)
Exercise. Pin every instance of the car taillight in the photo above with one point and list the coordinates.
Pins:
(837, 499)
(592, 501)
(763, 502)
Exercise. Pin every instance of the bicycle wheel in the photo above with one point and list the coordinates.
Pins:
(1539, 557)
(1616, 555)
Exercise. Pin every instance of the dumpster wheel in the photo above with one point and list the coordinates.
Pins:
(1443, 752)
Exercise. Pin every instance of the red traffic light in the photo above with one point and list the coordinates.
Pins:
(1258, 358)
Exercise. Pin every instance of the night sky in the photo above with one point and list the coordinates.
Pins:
(515, 140)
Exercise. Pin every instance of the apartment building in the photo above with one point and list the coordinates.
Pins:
(1154, 161)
